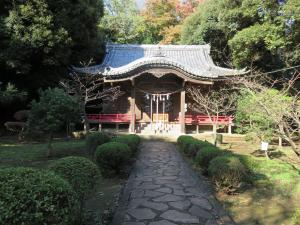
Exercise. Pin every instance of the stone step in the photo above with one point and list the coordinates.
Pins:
(166, 128)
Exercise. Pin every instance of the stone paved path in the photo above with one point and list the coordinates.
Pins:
(163, 190)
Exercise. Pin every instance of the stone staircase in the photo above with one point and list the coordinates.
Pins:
(158, 128)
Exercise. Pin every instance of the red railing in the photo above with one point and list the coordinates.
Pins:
(110, 118)
(202, 119)
(189, 119)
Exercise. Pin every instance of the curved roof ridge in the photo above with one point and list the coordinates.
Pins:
(121, 59)
(152, 60)
(156, 46)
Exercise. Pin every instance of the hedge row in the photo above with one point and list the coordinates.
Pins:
(114, 158)
(80, 172)
(131, 140)
(225, 169)
(93, 140)
(56, 196)
(190, 146)
(53, 197)
(30, 196)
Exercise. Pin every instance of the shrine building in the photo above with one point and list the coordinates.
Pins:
(153, 79)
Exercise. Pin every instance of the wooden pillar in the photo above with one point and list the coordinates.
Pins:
(197, 129)
(182, 111)
(100, 127)
(132, 109)
(117, 127)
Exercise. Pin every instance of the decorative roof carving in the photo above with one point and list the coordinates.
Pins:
(123, 60)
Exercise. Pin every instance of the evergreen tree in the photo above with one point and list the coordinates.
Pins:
(39, 39)
(248, 33)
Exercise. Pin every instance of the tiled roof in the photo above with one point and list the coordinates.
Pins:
(121, 59)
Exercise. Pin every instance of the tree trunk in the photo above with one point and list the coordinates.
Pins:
(21, 134)
(50, 151)
(86, 124)
(287, 136)
(293, 145)
(68, 130)
(215, 134)
(266, 154)
(280, 142)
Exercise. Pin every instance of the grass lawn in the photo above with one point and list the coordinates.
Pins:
(276, 187)
(14, 153)
(33, 154)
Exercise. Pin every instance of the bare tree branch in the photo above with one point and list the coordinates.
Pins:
(284, 110)
(213, 103)
(88, 89)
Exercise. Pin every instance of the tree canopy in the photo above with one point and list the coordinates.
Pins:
(122, 22)
(259, 34)
(54, 109)
(164, 18)
(39, 39)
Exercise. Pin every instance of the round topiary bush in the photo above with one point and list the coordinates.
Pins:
(113, 158)
(80, 172)
(184, 140)
(93, 140)
(29, 196)
(132, 140)
(227, 172)
(205, 155)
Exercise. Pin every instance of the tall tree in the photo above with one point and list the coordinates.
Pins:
(249, 33)
(203, 27)
(159, 15)
(122, 22)
(164, 17)
(40, 38)
(10, 94)
(171, 34)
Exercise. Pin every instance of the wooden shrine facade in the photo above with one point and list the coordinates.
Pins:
(153, 79)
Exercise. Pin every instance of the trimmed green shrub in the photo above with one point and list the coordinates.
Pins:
(250, 162)
(190, 146)
(93, 140)
(29, 196)
(205, 155)
(227, 172)
(192, 149)
(132, 140)
(80, 172)
(184, 140)
(112, 158)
